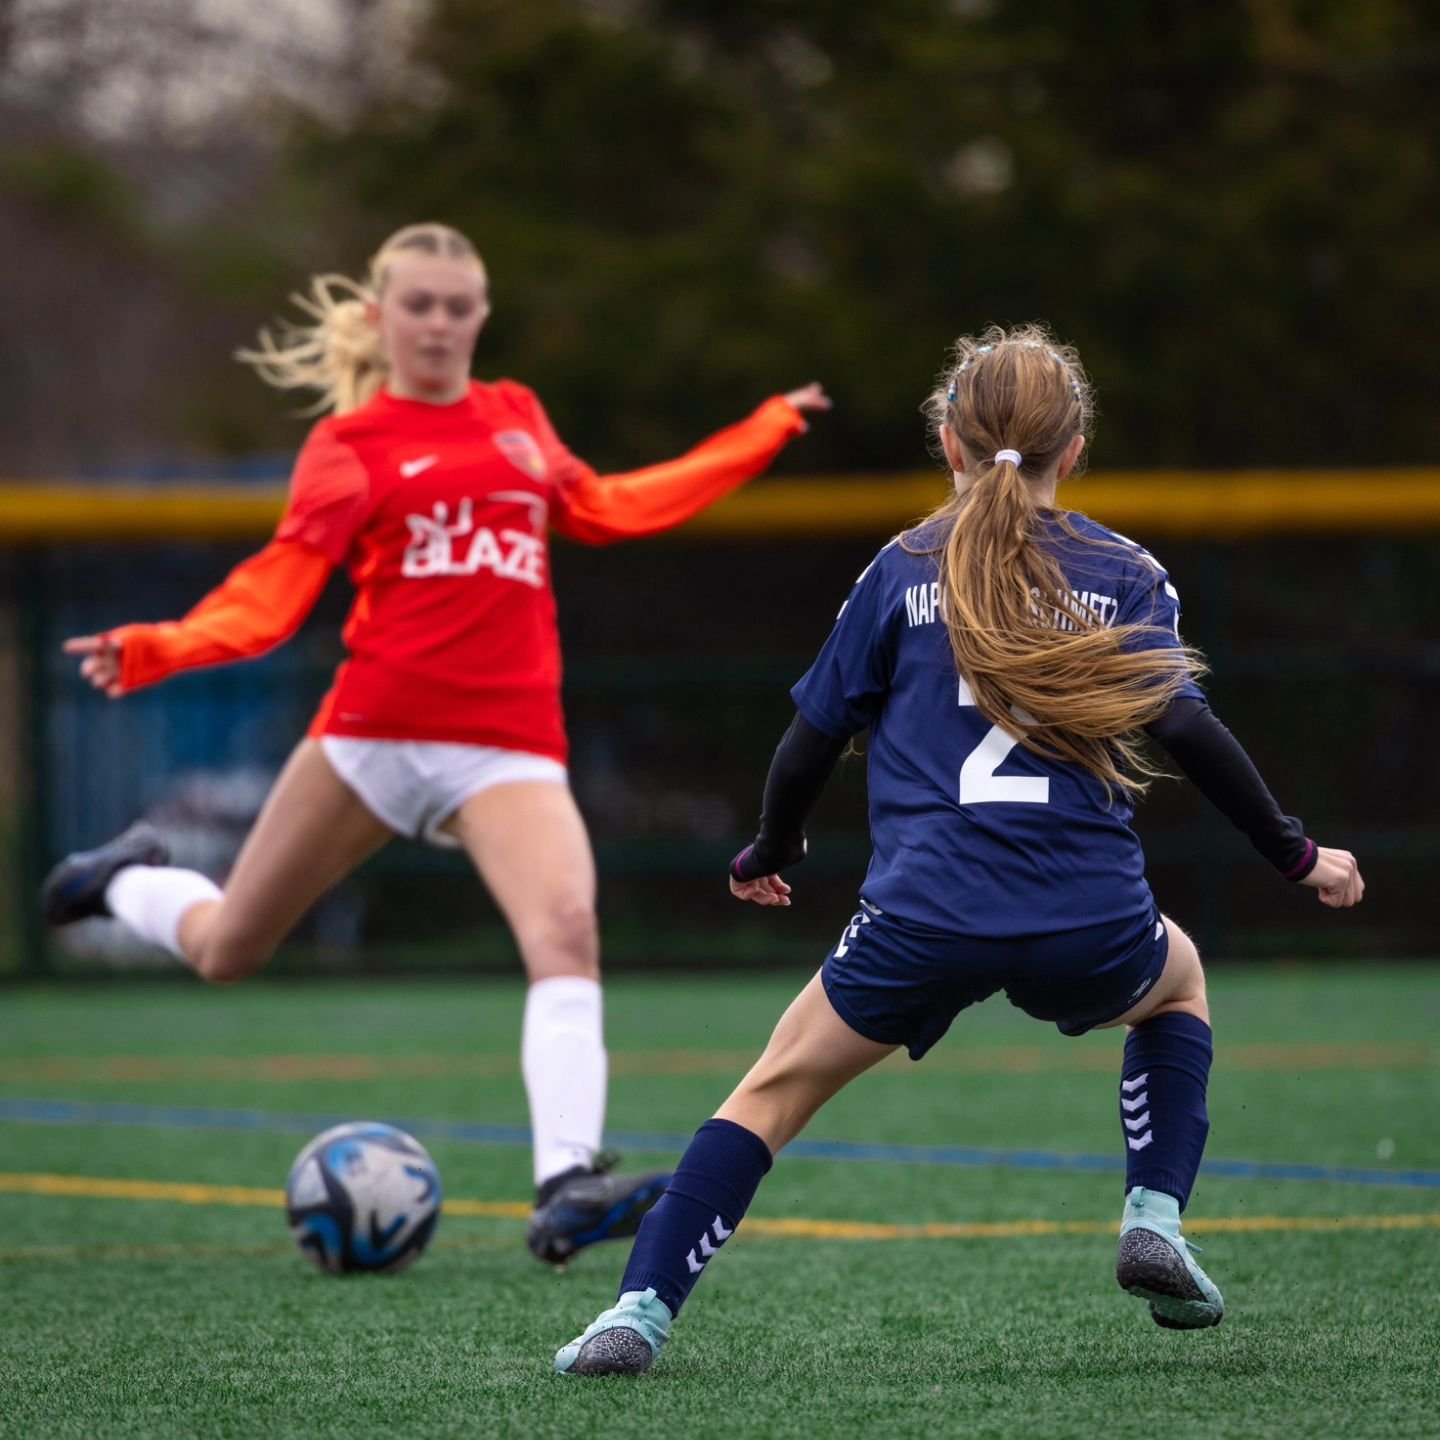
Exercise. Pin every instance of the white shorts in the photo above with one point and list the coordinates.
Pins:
(415, 786)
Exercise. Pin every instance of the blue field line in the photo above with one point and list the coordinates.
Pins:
(200, 1117)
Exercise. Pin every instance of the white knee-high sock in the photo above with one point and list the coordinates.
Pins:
(151, 899)
(562, 1055)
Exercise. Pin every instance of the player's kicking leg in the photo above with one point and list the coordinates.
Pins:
(311, 832)
(528, 842)
(1165, 1124)
(812, 1055)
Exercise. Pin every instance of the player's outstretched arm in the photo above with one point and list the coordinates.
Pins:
(598, 509)
(1215, 761)
(802, 764)
(262, 602)
(265, 599)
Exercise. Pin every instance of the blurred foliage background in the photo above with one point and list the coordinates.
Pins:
(1231, 209)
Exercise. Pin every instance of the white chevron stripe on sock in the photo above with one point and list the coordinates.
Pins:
(1131, 1106)
(1142, 1142)
(1136, 1083)
(721, 1233)
(706, 1248)
(1139, 1122)
(696, 1266)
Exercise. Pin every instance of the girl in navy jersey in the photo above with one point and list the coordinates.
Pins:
(436, 493)
(1004, 656)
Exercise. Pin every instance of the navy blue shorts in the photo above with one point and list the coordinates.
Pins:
(900, 984)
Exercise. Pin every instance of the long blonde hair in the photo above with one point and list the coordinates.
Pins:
(1041, 664)
(339, 352)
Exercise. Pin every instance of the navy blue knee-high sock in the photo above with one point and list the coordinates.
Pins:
(1162, 1103)
(711, 1190)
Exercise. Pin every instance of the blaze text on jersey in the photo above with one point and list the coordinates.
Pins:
(439, 546)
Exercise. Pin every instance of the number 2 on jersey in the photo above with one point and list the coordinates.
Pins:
(980, 785)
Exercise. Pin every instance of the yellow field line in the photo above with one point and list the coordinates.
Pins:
(94, 1188)
(91, 1187)
(959, 1059)
(99, 1188)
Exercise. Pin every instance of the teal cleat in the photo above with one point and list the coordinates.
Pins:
(1153, 1263)
(622, 1341)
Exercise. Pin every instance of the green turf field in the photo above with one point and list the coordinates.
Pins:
(148, 1286)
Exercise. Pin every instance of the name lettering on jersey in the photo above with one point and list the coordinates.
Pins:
(438, 546)
(922, 603)
(1074, 608)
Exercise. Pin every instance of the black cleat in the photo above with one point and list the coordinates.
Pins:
(584, 1206)
(75, 888)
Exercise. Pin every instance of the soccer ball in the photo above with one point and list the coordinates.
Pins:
(363, 1196)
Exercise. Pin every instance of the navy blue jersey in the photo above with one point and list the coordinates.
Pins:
(974, 834)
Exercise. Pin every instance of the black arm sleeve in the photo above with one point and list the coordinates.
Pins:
(1216, 762)
(803, 761)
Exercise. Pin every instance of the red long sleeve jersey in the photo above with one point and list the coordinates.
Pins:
(441, 516)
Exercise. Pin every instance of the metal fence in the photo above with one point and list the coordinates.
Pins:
(680, 652)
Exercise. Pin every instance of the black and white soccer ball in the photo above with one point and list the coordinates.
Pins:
(363, 1196)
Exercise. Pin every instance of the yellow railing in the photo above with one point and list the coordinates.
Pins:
(1223, 505)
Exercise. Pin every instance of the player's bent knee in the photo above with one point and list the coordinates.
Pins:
(565, 942)
(573, 930)
(225, 960)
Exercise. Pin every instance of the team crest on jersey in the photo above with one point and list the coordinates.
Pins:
(522, 450)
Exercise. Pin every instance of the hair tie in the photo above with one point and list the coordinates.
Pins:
(1013, 456)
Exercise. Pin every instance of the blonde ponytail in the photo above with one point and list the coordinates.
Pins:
(1040, 663)
(339, 353)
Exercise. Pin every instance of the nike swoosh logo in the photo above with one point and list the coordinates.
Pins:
(411, 468)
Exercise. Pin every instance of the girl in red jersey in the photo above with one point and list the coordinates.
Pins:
(436, 493)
